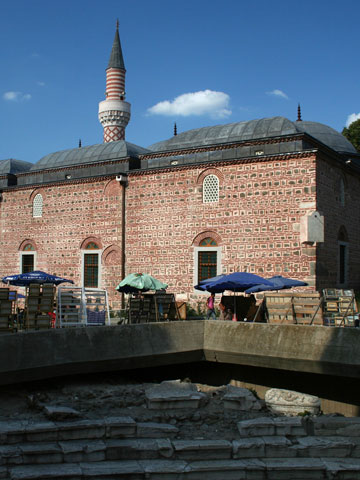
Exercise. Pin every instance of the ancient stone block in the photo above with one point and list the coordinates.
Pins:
(39, 453)
(204, 449)
(120, 427)
(173, 394)
(290, 426)
(249, 448)
(81, 429)
(294, 469)
(288, 402)
(323, 447)
(237, 398)
(60, 412)
(156, 430)
(257, 427)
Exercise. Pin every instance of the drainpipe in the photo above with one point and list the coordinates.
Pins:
(123, 180)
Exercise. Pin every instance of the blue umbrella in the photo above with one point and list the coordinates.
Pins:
(24, 279)
(278, 283)
(236, 282)
(212, 279)
(13, 294)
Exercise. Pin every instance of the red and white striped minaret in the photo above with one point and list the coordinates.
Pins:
(114, 112)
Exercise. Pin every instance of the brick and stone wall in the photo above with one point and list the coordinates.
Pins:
(256, 221)
(338, 201)
(72, 214)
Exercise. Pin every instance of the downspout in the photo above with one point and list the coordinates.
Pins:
(123, 180)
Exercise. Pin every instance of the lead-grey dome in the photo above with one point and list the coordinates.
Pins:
(252, 130)
(93, 154)
(13, 166)
(326, 135)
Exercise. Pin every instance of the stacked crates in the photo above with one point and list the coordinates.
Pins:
(39, 303)
(6, 311)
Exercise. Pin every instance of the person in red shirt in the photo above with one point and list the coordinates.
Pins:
(210, 303)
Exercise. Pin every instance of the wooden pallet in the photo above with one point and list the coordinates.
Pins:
(295, 308)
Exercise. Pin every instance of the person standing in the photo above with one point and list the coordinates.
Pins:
(210, 303)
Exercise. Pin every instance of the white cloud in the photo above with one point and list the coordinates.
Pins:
(206, 102)
(41, 84)
(16, 96)
(351, 118)
(278, 93)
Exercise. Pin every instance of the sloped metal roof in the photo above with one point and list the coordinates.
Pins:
(11, 165)
(93, 154)
(252, 130)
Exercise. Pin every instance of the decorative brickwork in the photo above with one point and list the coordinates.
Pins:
(113, 134)
(91, 240)
(209, 171)
(111, 256)
(26, 243)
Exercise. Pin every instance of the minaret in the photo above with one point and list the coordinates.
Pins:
(114, 112)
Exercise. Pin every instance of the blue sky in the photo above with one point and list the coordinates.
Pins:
(195, 62)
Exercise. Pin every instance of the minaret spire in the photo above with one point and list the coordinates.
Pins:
(299, 114)
(114, 112)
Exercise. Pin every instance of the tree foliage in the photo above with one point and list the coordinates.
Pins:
(352, 133)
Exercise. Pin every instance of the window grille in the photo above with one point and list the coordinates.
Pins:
(38, 206)
(91, 270)
(210, 189)
(27, 263)
(207, 265)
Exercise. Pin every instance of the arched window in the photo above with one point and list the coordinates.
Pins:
(91, 265)
(210, 189)
(208, 242)
(38, 206)
(343, 257)
(342, 192)
(27, 258)
(207, 259)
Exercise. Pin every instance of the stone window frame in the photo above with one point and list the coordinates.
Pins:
(87, 246)
(27, 248)
(201, 184)
(198, 248)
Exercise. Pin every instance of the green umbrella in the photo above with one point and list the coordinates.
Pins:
(139, 282)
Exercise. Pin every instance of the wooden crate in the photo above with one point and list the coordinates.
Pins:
(4, 293)
(294, 308)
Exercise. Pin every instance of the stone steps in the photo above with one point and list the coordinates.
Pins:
(255, 469)
(111, 427)
(75, 451)
(300, 426)
(267, 448)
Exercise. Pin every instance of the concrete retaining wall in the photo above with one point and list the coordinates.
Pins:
(43, 354)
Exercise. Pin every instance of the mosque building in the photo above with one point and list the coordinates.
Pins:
(269, 196)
